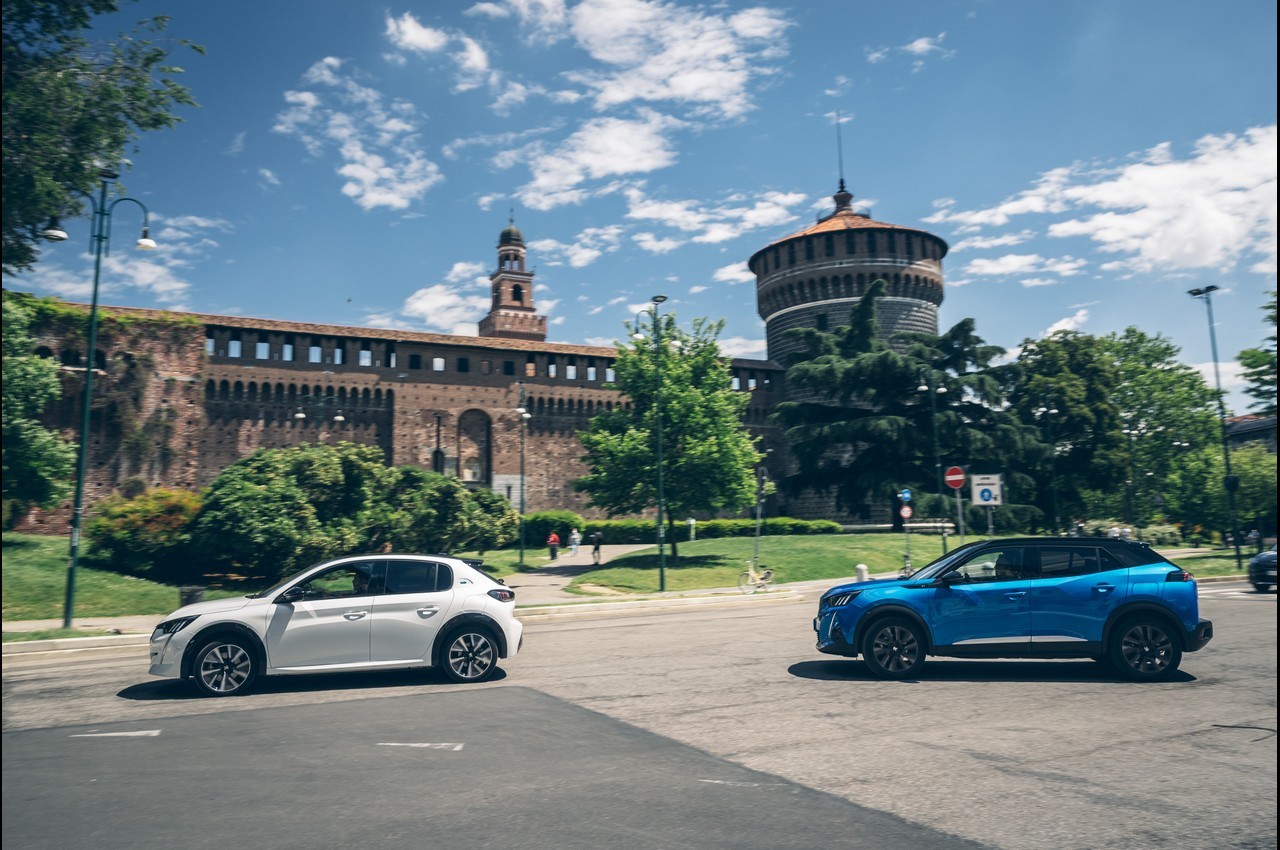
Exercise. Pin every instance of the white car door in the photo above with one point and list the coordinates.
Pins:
(327, 626)
(417, 600)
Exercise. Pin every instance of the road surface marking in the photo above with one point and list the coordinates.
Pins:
(454, 747)
(143, 733)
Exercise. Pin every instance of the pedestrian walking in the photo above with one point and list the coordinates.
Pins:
(553, 543)
(1114, 533)
(1255, 540)
(1126, 533)
(575, 540)
(596, 539)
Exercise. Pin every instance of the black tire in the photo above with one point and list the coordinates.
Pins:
(469, 654)
(225, 666)
(1144, 649)
(893, 648)
(1261, 588)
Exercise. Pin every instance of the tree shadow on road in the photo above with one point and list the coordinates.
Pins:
(957, 670)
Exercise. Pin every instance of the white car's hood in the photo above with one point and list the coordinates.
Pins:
(213, 606)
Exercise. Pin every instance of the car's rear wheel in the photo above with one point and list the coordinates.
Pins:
(893, 648)
(1260, 587)
(225, 666)
(470, 655)
(1144, 649)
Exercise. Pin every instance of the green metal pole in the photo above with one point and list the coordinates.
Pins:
(657, 368)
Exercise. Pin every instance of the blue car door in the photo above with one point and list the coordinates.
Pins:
(990, 605)
(1077, 588)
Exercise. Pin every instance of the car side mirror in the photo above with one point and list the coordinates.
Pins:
(292, 595)
(953, 577)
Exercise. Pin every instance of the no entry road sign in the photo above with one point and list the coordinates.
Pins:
(954, 476)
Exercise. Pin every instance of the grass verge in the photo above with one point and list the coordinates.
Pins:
(54, 634)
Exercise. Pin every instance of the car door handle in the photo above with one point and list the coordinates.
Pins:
(1104, 588)
(353, 615)
(428, 611)
(1015, 595)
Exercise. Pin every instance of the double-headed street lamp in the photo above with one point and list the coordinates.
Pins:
(318, 401)
(100, 235)
(523, 412)
(928, 385)
(657, 407)
(1229, 482)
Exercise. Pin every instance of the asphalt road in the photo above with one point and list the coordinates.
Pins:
(699, 729)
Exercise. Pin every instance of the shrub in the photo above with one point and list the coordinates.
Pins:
(538, 526)
(148, 535)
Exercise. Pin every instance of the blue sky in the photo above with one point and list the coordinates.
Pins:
(353, 163)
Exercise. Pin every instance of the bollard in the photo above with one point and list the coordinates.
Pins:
(862, 572)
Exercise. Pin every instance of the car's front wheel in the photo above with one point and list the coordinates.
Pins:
(470, 655)
(1144, 649)
(1260, 587)
(225, 666)
(893, 648)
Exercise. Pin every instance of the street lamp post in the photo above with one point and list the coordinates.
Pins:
(523, 412)
(319, 402)
(1229, 481)
(1047, 411)
(927, 386)
(657, 408)
(100, 235)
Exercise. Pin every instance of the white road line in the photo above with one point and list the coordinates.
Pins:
(143, 733)
(454, 747)
(741, 784)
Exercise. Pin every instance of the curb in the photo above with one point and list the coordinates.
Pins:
(89, 647)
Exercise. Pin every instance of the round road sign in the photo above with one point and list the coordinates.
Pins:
(954, 476)
(905, 511)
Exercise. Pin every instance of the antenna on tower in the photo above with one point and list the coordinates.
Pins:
(839, 150)
(511, 216)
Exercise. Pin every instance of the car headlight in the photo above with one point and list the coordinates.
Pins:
(839, 599)
(177, 624)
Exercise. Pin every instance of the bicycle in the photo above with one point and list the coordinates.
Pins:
(753, 579)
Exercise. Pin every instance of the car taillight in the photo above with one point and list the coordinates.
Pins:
(503, 595)
(1179, 575)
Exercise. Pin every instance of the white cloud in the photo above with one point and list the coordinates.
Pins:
(470, 272)
(694, 290)
(237, 144)
(734, 273)
(1012, 264)
(1031, 282)
(877, 55)
(382, 158)
(719, 223)
(587, 247)
(541, 21)
(443, 308)
(656, 245)
(406, 33)
(1071, 323)
(663, 52)
(1006, 240)
(269, 176)
(741, 346)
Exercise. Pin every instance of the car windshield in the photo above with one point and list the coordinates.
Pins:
(936, 568)
(282, 583)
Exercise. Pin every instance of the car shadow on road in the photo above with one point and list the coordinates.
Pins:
(957, 670)
(173, 690)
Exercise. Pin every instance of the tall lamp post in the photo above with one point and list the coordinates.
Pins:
(523, 412)
(927, 386)
(1046, 412)
(1229, 482)
(100, 236)
(657, 408)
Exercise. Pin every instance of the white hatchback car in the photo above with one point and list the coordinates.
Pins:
(371, 612)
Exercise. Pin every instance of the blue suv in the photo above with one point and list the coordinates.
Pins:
(1111, 600)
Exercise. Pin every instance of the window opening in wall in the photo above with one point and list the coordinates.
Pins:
(415, 361)
(262, 351)
(286, 352)
(486, 367)
(892, 243)
(366, 357)
(735, 383)
(591, 373)
(437, 364)
(571, 372)
(464, 364)
(777, 259)
(233, 348)
(822, 322)
(530, 368)
(313, 354)
(339, 354)
(907, 246)
(508, 367)
(751, 383)
(871, 243)
(391, 357)
(848, 243)
(208, 345)
(791, 254)
(517, 293)
(808, 248)
(829, 245)
(608, 374)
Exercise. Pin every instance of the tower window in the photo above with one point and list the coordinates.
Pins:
(464, 364)
(415, 361)
(848, 242)
(313, 354)
(262, 351)
(829, 245)
(808, 248)
(233, 348)
(517, 294)
(437, 364)
(791, 254)
(508, 367)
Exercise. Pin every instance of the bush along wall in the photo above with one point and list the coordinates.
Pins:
(639, 531)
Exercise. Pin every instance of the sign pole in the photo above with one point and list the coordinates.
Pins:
(960, 516)
(905, 513)
(955, 480)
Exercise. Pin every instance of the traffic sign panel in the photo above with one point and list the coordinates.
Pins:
(954, 476)
(905, 511)
(905, 495)
(987, 490)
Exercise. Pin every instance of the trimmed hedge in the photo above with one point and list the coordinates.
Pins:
(642, 531)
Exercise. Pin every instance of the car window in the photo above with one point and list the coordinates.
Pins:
(411, 577)
(1005, 564)
(1066, 561)
(338, 582)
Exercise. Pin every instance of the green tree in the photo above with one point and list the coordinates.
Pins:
(1260, 367)
(37, 462)
(72, 105)
(708, 456)
(1195, 496)
(869, 429)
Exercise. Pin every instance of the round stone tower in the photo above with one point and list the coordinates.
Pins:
(814, 278)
